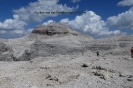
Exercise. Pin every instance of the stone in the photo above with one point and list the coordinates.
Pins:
(6, 53)
(104, 75)
(85, 65)
(45, 67)
(122, 74)
(130, 79)
(98, 68)
(113, 76)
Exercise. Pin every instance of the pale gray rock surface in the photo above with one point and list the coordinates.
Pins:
(47, 40)
(6, 53)
(55, 56)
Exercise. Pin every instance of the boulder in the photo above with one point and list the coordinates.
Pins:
(6, 53)
(104, 75)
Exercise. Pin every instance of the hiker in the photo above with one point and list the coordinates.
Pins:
(97, 53)
(132, 52)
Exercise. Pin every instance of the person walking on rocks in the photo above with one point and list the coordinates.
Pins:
(97, 53)
(132, 52)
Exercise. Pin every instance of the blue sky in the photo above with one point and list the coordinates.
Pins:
(103, 17)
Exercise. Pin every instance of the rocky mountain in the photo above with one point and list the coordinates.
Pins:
(47, 40)
(115, 45)
(56, 38)
(55, 56)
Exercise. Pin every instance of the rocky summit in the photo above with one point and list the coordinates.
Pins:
(56, 56)
(47, 40)
(51, 30)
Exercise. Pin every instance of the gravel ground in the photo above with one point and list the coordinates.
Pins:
(64, 71)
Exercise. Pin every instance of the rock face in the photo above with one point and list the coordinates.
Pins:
(56, 38)
(116, 45)
(5, 53)
(43, 49)
(49, 40)
(51, 29)
(65, 59)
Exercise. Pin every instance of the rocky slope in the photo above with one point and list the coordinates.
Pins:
(55, 56)
(6, 53)
(116, 45)
(56, 38)
(68, 71)
(47, 40)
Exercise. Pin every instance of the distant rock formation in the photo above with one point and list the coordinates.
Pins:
(115, 45)
(52, 29)
(56, 38)
(42, 49)
(48, 40)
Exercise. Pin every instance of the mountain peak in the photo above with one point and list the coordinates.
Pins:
(52, 29)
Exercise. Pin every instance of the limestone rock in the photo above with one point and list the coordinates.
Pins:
(5, 53)
(52, 29)
(130, 79)
(104, 75)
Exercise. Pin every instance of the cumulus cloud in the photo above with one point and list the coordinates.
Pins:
(29, 13)
(28, 31)
(12, 24)
(90, 23)
(123, 20)
(2, 31)
(126, 3)
(18, 32)
(21, 32)
(117, 32)
(48, 22)
(74, 1)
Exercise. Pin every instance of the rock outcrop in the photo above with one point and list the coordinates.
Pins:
(56, 38)
(5, 53)
(43, 49)
(53, 29)
(116, 45)
(49, 40)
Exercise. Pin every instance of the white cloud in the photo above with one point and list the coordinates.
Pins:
(74, 1)
(89, 23)
(21, 32)
(48, 22)
(18, 32)
(117, 32)
(13, 27)
(123, 20)
(16, 17)
(12, 23)
(126, 3)
(28, 31)
(28, 13)
(2, 31)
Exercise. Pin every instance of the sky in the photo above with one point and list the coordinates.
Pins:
(98, 18)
